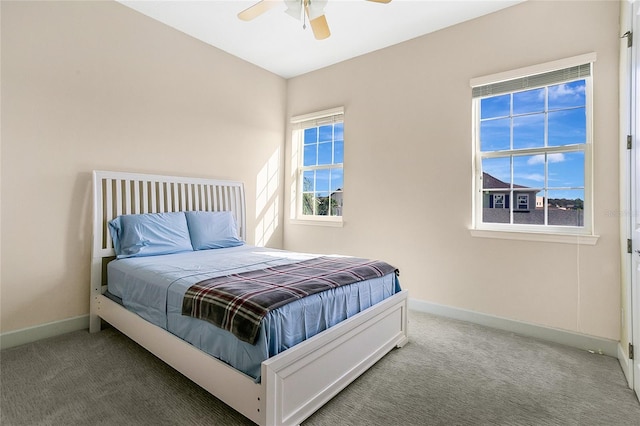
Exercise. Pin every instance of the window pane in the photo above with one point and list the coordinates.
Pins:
(309, 158)
(529, 208)
(567, 95)
(338, 152)
(310, 135)
(322, 180)
(336, 180)
(326, 133)
(566, 208)
(495, 106)
(308, 203)
(338, 131)
(496, 173)
(495, 135)
(567, 127)
(325, 152)
(308, 198)
(528, 101)
(336, 204)
(528, 171)
(495, 207)
(322, 203)
(528, 176)
(566, 170)
(308, 181)
(496, 178)
(528, 131)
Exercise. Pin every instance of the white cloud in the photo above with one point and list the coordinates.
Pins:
(536, 177)
(536, 159)
(552, 158)
(556, 158)
(565, 90)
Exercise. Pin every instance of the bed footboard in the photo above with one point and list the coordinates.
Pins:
(302, 379)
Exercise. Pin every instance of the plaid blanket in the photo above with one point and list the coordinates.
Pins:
(238, 302)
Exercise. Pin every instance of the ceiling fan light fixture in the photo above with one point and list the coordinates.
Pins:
(294, 8)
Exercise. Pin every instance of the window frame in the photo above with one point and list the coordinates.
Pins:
(299, 124)
(555, 233)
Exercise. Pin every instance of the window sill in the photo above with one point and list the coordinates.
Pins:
(318, 222)
(536, 236)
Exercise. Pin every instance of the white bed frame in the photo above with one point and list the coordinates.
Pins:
(296, 382)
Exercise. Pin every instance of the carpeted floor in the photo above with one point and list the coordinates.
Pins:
(450, 373)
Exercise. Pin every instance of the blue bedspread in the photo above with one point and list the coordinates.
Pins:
(153, 287)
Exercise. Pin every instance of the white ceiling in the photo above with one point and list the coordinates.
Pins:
(277, 42)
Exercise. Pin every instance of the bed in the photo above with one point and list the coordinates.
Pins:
(286, 385)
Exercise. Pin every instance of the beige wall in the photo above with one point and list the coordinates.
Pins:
(408, 167)
(96, 85)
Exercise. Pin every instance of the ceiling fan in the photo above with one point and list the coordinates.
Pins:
(312, 9)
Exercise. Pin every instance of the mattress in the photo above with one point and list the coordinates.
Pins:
(153, 287)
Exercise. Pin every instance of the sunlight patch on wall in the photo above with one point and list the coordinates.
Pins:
(267, 224)
(267, 184)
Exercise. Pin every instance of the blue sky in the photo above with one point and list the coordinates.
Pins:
(565, 119)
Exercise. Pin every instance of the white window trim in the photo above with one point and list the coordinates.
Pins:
(559, 234)
(296, 217)
(581, 239)
(319, 221)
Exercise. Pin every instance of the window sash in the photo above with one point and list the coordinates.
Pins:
(546, 227)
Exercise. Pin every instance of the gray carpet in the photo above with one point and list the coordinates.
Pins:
(450, 373)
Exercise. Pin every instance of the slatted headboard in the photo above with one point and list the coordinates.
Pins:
(118, 193)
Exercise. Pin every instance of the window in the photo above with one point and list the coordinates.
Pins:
(318, 141)
(532, 142)
(523, 202)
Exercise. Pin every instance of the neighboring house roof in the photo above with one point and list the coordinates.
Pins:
(490, 182)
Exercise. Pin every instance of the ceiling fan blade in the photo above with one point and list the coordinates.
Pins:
(381, 1)
(257, 9)
(320, 27)
(318, 24)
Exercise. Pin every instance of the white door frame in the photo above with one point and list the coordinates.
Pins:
(634, 212)
(630, 173)
(629, 123)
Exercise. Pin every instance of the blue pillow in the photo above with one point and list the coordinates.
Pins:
(138, 235)
(212, 230)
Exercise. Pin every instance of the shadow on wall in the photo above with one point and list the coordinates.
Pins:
(78, 245)
(267, 199)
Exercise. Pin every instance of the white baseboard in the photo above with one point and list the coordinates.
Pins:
(626, 364)
(569, 338)
(564, 337)
(38, 332)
